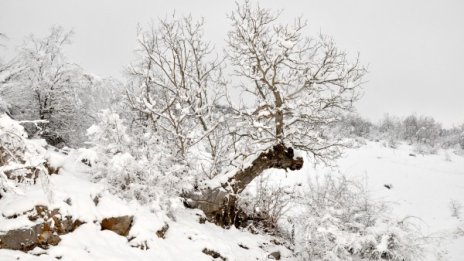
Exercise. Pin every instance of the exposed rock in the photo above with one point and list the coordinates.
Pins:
(68, 201)
(96, 200)
(162, 232)
(119, 225)
(53, 139)
(243, 246)
(24, 174)
(23, 239)
(51, 169)
(213, 253)
(202, 220)
(275, 255)
(30, 173)
(31, 128)
(86, 162)
(43, 234)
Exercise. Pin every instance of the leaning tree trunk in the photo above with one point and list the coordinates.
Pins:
(220, 204)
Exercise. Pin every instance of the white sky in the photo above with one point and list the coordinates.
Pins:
(414, 48)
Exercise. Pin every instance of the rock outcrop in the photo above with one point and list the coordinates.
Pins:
(42, 234)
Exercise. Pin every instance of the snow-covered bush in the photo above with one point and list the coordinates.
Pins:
(342, 223)
(12, 137)
(134, 163)
(357, 126)
(333, 218)
(267, 204)
(389, 129)
(110, 157)
(422, 130)
(110, 134)
(21, 160)
(424, 149)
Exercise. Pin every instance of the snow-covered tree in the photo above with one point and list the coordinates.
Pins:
(298, 87)
(45, 89)
(299, 84)
(41, 84)
(421, 129)
(176, 84)
(93, 95)
(9, 70)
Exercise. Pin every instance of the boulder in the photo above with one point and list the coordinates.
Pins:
(162, 232)
(119, 225)
(274, 255)
(43, 234)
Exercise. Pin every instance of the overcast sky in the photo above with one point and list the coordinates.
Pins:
(414, 49)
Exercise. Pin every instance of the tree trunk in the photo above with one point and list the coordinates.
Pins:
(220, 204)
(279, 117)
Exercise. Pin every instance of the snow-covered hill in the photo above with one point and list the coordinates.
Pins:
(421, 186)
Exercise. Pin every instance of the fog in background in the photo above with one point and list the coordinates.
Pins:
(414, 49)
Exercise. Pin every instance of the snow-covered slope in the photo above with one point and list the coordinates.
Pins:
(422, 186)
(73, 192)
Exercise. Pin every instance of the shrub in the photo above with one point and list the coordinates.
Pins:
(267, 204)
(357, 126)
(134, 164)
(422, 129)
(21, 160)
(342, 223)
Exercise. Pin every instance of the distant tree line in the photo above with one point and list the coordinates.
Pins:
(412, 129)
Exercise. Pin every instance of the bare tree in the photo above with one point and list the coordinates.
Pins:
(300, 84)
(176, 84)
(300, 87)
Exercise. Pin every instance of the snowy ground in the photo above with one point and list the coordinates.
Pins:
(422, 189)
(422, 186)
(185, 239)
